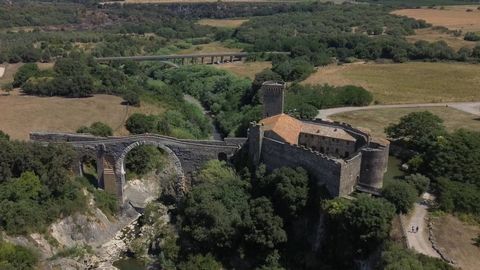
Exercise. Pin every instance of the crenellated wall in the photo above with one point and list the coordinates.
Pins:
(338, 176)
(363, 168)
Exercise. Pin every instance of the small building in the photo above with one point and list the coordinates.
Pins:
(337, 155)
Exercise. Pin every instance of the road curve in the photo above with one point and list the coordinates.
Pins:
(468, 107)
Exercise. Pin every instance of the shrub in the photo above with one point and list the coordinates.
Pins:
(97, 129)
(132, 98)
(420, 182)
(24, 73)
(16, 257)
(471, 36)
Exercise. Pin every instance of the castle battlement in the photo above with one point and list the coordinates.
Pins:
(337, 154)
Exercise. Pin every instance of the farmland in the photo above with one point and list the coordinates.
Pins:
(432, 35)
(413, 82)
(63, 114)
(245, 69)
(376, 120)
(452, 17)
(227, 23)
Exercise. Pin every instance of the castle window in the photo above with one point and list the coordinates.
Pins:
(347, 154)
(322, 150)
(336, 150)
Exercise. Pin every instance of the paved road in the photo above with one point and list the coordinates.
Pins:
(468, 107)
(419, 240)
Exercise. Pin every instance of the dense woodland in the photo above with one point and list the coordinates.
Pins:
(450, 159)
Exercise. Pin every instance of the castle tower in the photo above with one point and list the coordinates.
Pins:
(273, 98)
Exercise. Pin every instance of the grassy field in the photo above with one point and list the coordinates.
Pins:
(456, 238)
(19, 114)
(227, 23)
(377, 119)
(245, 69)
(452, 17)
(412, 82)
(432, 35)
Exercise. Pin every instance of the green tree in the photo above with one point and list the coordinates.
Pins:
(401, 194)
(368, 221)
(395, 257)
(4, 136)
(214, 214)
(418, 129)
(420, 182)
(262, 227)
(24, 73)
(456, 156)
(97, 129)
(200, 262)
(139, 123)
(288, 188)
(144, 159)
(132, 98)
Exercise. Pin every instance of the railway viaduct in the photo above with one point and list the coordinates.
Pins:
(110, 153)
(182, 59)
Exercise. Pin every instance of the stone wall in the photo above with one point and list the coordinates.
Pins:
(350, 174)
(374, 165)
(325, 170)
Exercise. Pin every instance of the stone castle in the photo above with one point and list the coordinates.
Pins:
(337, 155)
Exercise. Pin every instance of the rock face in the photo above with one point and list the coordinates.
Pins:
(91, 230)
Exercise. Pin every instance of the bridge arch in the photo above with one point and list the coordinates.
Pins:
(120, 165)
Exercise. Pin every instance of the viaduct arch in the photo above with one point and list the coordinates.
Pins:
(188, 156)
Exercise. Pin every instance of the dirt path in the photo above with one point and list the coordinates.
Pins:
(418, 240)
(468, 107)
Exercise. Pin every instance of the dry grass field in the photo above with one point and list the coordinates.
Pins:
(228, 23)
(456, 238)
(412, 82)
(452, 17)
(377, 119)
(20, 114)
(431, 35)
(212, 47)
(245, 69)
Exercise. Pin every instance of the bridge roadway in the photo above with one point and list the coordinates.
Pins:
(188, 156)
(194, 58)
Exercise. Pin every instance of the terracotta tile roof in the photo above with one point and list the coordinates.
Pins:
(326, 131)
(284, 126)
(289, 129)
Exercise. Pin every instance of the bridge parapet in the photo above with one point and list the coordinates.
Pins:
(188, 156)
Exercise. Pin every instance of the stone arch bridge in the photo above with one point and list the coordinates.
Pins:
(110, 153)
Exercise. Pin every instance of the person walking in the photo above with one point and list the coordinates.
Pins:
(417, 229)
